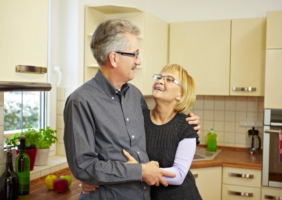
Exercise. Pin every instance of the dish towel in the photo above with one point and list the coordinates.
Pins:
(280, 138)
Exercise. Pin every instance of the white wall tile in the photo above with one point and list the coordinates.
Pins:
(252, 106)
(230, 116)
(60, 149)
(45, 172)
(219, 104)
(61, 93)
(219, 137)
(229, 127)
(1, 169)
(261, 106)
(1, 135)
(208, 114)
(1, 115)
(241, 98)
(240, 145)
(60, 135)
(218, 126)
(229, 138)
(60, 122)
(207, 126)
(1, 98)
(218, 115)
(240, 129)
(68, 91)
(241, 115)
(56, 168)
(209, 104)
(199, 104)
(240, 138)
(60, 107)
(261, 99)
(253, 98)
(230, 105)
(252, 115)
(199, 113)
(241, 105)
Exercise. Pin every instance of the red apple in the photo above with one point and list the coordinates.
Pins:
(60, 185)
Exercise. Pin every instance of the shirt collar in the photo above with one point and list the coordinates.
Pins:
(107, 86)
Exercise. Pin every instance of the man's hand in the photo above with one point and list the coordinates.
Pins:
(86, 188)
(129, 157)
(152, 174)
(194, 119)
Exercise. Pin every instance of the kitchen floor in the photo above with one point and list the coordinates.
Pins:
(38, 190)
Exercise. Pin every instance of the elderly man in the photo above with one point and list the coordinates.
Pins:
(104, 116)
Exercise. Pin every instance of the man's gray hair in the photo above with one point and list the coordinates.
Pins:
(110, 36)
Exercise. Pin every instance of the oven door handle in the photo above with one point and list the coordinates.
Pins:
(272, 131)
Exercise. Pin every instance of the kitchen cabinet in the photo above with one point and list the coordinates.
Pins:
(274, 30)
(221, 54)
(271, 193)
(152, 41)
(239, 183)
(208, 181)
(247, 56)
(273, 80)
(23, 38)
(203, 49)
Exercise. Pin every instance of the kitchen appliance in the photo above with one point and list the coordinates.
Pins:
(272, 150)
(255, 137)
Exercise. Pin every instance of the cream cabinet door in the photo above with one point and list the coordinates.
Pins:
(156, 49)
(273, 79)
(234, 192)
(271, 193)
(274, 30)
(203, 49)
(23, 38)
(208, 181)
(248, 56)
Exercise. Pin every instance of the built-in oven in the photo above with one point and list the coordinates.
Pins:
(272, 148)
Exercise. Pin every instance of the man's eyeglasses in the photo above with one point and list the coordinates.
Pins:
(168, 79)
(128, 54)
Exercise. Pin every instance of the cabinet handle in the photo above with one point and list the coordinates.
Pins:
(272, 131)
(246, 89)
(243, 194)
(31, 69)
(272, 197)
(195, 175)
(241, 175)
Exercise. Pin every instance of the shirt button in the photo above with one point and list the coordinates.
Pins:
(127, 119)
(132, 136)
(113, 97)
(116, 91)
(138, 152)
(144, 188)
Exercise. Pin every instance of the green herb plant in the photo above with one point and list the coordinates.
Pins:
(46, 138)
(31, 137)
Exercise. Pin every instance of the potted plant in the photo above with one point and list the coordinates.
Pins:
(46, 139)
(31, 138)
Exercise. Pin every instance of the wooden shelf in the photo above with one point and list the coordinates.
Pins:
(114, 9)
(93, 65)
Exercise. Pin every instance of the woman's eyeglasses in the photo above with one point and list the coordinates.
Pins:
(168, 79)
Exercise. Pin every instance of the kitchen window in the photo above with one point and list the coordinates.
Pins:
(23, 109)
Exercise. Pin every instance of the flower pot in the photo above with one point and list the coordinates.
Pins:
(32, 154)
(42, 156)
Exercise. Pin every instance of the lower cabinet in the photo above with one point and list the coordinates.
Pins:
(271, 193)
(235, 192)
(208, 181)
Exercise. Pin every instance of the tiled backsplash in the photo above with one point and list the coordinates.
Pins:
(1, 133)
(222, 113)
(62, 95)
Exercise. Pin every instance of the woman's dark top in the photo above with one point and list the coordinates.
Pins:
(162, 142)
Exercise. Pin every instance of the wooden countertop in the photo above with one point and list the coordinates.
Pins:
(228, 157)
(232, 157)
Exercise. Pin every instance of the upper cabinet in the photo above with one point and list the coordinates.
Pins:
(203, 49)
(152, 41)
(247, 57)
(274, 30)
(23, 38)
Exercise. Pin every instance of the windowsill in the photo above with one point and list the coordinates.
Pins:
(55, 163)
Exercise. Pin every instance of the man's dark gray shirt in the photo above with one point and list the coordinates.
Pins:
(100, 121)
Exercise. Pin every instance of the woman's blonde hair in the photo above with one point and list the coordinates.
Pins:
(188, 88)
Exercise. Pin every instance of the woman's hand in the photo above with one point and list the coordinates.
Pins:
(194, 119)
(129, 157)
(86, 188)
